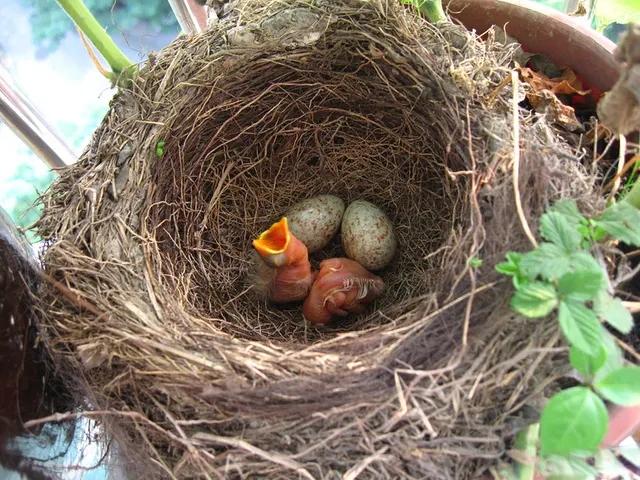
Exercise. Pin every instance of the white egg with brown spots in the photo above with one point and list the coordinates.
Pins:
(368, 236)
(316, 220)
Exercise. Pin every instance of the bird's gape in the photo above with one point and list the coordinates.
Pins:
(272, 244)
(290, 276)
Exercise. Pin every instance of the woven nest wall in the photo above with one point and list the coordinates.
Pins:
(150, 312)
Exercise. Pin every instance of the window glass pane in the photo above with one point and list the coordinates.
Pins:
(20, 180)
(44, 55)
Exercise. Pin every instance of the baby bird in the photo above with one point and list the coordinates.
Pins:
(286, 272)
(342, 286)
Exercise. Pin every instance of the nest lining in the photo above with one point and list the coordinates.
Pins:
(234, 185)
(276, 103)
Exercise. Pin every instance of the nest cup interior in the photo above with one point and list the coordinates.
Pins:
(284, 128)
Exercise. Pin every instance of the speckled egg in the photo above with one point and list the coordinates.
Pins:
(368, 236)
(316, 220)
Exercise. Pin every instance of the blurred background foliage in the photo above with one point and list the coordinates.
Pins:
(610, 17)
(31, 177)
(616, 11)
(50, 23)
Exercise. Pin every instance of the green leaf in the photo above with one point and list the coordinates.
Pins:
(613, 311)
(160, 148)
(598, 234)
(511, 266)
(615, 358)
(622, 386)
(552, 262)
(475, 262)
(581, 285)
(580, 326)
(547, 261)
(583, 261)
(557, 229)
(587, 365)
(622, 222)
(535, 299)
(574, 420)
(569, 209)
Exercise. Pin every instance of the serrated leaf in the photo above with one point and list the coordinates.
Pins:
(581, 285)
(615, 357)
(580, 326)
(585, 231)
(622, 222)
(574, 420)
(613, 311)
(621, 386)
(555, 228)
(587, 365)
(547, 261)
(598, 234)
(506, 268)
(518, 281)
(583, 261)
(534, 300)
(569, 209)
(511, 266)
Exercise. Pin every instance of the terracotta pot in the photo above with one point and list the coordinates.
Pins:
(565, 40)
(623, 422)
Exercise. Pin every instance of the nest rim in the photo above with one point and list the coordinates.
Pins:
(230, 376)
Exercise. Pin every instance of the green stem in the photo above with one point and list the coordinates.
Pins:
(526, 441)
(633, 197)
(98, 36)
(432, 9)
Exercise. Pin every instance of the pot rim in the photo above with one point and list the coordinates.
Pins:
(566, 40)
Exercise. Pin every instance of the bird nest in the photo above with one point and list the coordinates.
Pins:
(150, 311)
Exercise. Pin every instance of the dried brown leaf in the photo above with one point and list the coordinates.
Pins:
(546, 102)
(568, 83)
(620, 108)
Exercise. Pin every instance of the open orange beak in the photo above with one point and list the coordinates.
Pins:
(272, 244)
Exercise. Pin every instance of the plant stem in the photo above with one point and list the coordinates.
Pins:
(98, 36)
(432, 9)
(526, 442)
